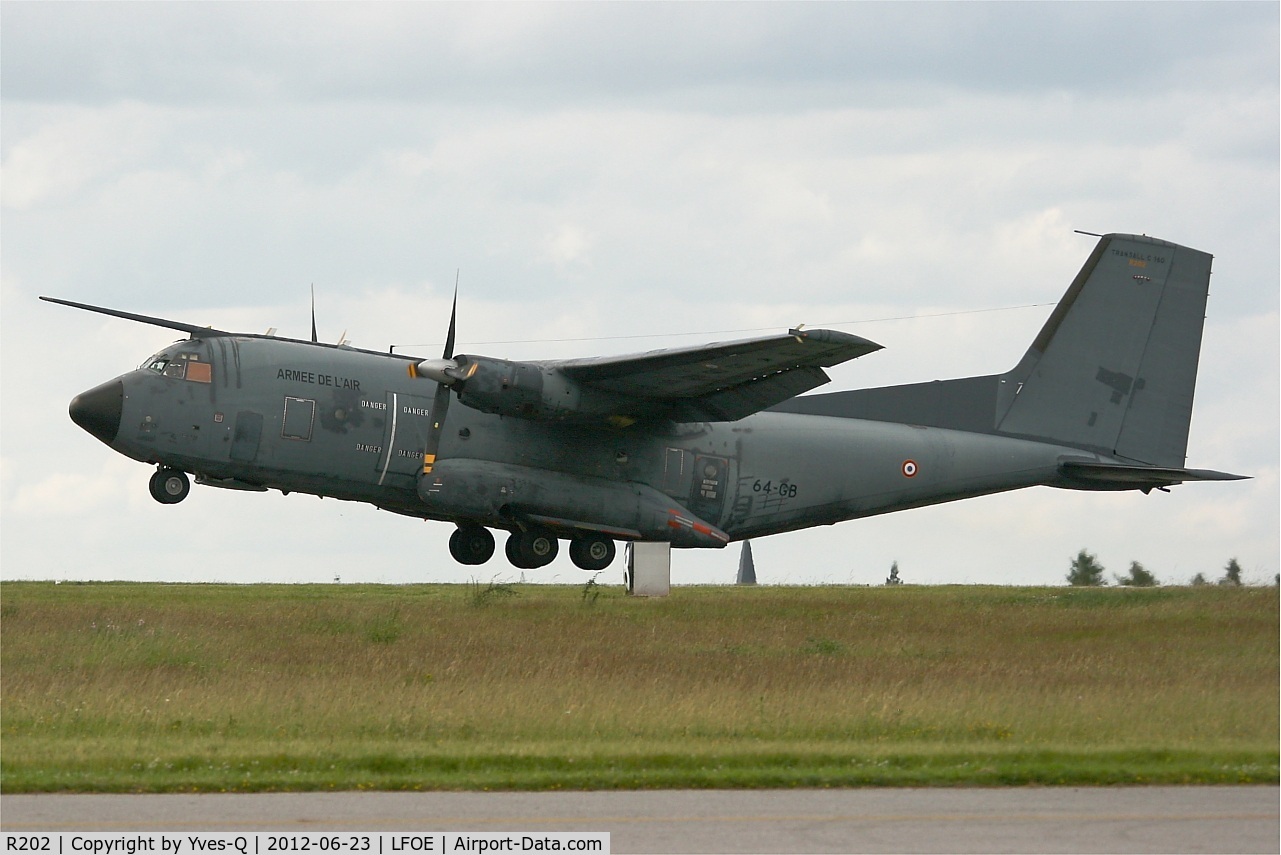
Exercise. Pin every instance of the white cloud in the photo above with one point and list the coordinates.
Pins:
(723, 56)
(63, 494)
(568, 247)
(72, 148)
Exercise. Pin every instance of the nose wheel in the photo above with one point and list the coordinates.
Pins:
(169, 486)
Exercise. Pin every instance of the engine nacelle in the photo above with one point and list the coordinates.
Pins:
(529, 390)
(499, 494)
(501, 387)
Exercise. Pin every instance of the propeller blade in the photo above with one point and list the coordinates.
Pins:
(453, 322)
(446, 369)
(439, 407)
(314, 338)
(445, 372)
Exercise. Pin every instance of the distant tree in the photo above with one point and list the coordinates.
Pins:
(1138, 578)
(1231, 574)
(894, 579)
(1085, 570)
(1199, 580)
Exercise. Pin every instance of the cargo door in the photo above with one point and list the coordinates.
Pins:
(404, 438)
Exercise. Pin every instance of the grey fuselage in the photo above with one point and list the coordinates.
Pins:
(249, 412)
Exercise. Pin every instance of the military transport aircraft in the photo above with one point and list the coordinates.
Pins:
(695, 446)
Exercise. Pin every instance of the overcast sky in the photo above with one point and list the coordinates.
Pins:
(621, 177)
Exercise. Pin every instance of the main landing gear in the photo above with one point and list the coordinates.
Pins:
(591, 552)
(471, 544)
(169, 486)
(528, 550)
(531, 549)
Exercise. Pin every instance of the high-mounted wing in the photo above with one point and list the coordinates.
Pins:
(723, 381)
(714, 382)
(190, 329)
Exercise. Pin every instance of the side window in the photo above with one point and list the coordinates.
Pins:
(199, 372)
(300, 413)
(190, 365)
(175, 369)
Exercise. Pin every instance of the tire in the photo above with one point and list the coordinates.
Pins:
(529, 550)
(592, 552)
(471, 544)
(169, 486)
(512, 550)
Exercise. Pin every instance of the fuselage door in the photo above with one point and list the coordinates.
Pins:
(404, 437)
(247, 435)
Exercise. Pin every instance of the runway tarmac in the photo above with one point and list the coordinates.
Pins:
(1040, 819)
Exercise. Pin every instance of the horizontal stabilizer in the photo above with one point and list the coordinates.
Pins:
(1094, 475)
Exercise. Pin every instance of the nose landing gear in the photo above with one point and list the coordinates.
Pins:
(169, 486)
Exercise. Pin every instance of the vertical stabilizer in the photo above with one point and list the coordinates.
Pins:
(1114, 367)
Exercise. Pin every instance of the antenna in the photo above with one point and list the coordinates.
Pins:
(314, 338)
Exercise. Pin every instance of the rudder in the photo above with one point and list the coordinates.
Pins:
(1114, 367)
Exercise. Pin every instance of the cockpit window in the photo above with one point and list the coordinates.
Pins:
(182, 366)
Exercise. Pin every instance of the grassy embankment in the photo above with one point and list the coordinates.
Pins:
(133, 687)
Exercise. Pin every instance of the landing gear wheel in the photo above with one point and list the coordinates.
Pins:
(512, 550)
(471, 544)
(169, 486)
(592, 552)
(532, 549)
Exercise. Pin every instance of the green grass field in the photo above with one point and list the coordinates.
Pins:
(147, 687)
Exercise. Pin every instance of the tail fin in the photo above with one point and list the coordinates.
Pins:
(1112, 370)
(1114, 367)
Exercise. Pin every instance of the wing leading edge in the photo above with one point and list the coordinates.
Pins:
(723, 381)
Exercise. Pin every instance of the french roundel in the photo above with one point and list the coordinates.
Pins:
(909, 468)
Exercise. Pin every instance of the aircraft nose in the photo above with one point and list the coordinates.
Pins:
(98, 410)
